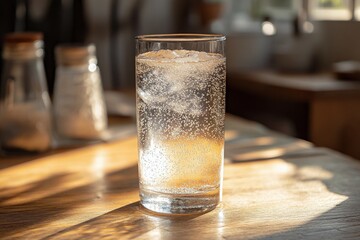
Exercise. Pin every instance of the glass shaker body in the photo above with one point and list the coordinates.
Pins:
(25, 118)
(79, 106)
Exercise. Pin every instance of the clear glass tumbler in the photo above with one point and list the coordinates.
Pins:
(180, 83)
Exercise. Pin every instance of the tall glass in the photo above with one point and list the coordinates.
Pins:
(180, 83)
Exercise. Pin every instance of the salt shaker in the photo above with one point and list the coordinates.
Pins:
(25, 116)
(79, 106)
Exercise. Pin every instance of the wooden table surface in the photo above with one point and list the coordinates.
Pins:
(275, 187)
(329, 108)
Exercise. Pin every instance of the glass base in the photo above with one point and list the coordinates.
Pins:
(179, 204)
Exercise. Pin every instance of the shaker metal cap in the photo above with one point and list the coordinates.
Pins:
(75, 54)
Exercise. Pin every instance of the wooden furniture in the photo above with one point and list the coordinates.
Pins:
(323, 110)
(275, 187)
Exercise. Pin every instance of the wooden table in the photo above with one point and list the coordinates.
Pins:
(275, 187)
(324, 110)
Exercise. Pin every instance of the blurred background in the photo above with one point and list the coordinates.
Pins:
(292, 64)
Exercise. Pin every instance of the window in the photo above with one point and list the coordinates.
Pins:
(276, 9)
(357, 10)
(330, 9)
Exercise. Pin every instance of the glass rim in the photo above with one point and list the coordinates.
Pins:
(181, 37)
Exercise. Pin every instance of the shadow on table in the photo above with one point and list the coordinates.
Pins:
(27, 190)
(133, 221)
(16, 217)
(120, 127)
(342, 221)
(263, 219)
(13, 159)
(338, 175)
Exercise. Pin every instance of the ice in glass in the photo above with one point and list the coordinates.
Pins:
(180, 117)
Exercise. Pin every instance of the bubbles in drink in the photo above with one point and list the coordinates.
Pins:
(182, 165)
(180, 105)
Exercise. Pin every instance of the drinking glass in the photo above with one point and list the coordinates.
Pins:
(180, 84)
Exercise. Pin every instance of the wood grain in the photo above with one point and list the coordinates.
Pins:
(92, 193)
